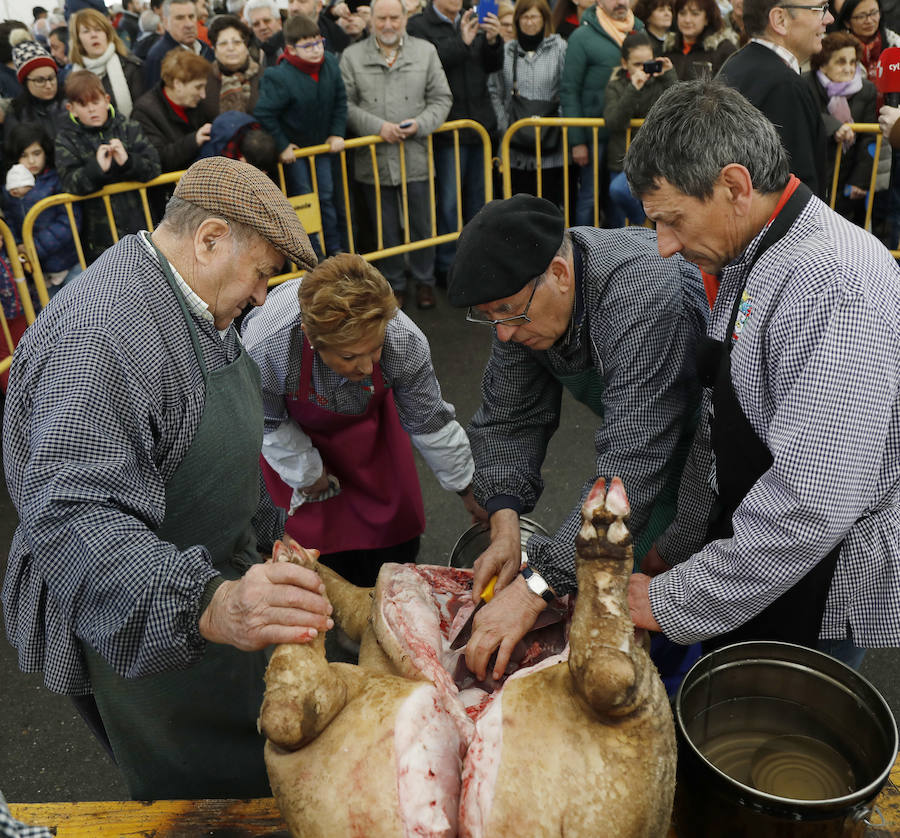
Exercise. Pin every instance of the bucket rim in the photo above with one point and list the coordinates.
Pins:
(849, 801)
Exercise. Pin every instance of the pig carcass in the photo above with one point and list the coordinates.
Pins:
(578, 741)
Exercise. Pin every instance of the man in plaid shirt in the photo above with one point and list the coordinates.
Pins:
(788, 524)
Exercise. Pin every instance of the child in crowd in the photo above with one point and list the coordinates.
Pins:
(237, 135)
(31, 179)
(95, 147)
(302, 102)
(632, 90)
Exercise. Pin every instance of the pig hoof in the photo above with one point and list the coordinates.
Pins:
(604, 533)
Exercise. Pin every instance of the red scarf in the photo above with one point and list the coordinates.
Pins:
(180, 112)
(311, 68)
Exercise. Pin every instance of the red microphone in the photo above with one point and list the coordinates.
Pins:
(888, 79)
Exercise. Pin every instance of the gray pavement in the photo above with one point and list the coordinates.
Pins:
(46, 751)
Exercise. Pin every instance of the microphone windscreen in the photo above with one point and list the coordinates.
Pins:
(888, 78)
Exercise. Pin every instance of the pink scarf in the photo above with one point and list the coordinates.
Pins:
(838, 91)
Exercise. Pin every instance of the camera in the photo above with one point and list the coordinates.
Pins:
(651, 68)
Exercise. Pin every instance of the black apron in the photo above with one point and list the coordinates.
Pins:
(192, 733)
(741, 458)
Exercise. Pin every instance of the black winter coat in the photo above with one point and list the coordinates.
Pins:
(80, 173)
(466, 68)
(172, 137)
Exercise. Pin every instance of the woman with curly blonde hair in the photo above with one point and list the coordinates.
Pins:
(94, 45)
(347, 382)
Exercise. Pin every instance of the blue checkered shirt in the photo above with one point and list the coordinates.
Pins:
(636, 322)
(816, 370)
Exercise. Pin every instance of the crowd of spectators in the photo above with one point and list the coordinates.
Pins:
(177, 80)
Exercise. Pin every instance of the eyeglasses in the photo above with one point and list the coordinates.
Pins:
(822, 10)
(311, 45)
(859, 18)
(474, 315)
(44, 81)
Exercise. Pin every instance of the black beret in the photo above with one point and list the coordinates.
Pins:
(507, 244)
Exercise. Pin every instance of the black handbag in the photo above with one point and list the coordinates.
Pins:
(521, 108)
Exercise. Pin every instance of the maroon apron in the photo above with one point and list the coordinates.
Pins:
(380, 502)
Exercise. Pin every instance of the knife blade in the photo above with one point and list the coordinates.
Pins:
(463, 635)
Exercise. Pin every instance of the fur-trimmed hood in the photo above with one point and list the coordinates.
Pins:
(709, 43)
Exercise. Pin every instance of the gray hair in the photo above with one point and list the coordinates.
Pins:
(253, 5)
(695, 130)
(183, 218)
(149, 21)
(166, 7)
(402, 6)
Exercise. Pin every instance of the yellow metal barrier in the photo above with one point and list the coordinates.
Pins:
(12, 255)
(535, 124)
(306, 206)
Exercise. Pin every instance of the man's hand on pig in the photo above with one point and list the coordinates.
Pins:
(502, 623)
(503, 558)
(274, 602)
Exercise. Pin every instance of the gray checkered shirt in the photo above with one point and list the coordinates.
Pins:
(105, 396)
(816, 370)
(636, 323)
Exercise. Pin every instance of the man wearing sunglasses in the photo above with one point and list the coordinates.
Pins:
(783, 35)
(596, 312)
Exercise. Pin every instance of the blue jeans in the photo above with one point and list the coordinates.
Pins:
(298, 181)
(471, 179)
(584, 203)
(622, 204)
(846, 651)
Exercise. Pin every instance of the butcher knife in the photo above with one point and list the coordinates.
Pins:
(466, 631)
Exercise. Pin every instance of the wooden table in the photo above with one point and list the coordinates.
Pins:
(244, 818)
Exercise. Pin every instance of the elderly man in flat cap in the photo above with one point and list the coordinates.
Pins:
(132, 436)
(596, 312)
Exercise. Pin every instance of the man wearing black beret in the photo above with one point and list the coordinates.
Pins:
(597, 312)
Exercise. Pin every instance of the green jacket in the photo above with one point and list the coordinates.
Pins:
(591, 57)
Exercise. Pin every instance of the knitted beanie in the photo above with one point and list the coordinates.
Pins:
(28, 56)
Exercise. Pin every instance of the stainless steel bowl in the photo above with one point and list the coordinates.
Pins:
(475, 540)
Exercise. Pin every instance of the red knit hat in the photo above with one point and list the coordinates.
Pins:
(28, 56)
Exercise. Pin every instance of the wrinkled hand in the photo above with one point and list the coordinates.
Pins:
(203, 133)
(887, 116)
(474, 508)
(468, 26)
(653, 564)
(844, 134)
(504, 556)
(639, 602)
(104, 156)
(502, 623)
(335, 144)
(410, 129)
(274, 602)
(390, 132)
(580, 154)
(321, 485)
(286, 157)
(491, 27)
(119, 154)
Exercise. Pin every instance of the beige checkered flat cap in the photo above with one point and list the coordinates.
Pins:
(242, 193)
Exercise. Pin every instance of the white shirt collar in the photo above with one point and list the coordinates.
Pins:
(784, 54)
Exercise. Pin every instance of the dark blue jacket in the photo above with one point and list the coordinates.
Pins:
(224, 127)
(52, 233)
(294, 108)
(153, 61)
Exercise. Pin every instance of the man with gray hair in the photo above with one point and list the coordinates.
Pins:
(180, 21)
(263, 18)
(151, 31)
(783, 35)
(788, 524)
(134, 583)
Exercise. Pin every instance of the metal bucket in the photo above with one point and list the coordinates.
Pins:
(475, 540)
(777, 739)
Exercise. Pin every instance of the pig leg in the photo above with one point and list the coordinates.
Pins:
(352, 605)
(608, 667)
(303, 694)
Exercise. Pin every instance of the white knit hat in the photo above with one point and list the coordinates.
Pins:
(18, 176)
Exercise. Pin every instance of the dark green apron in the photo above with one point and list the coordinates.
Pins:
(587, 387)
(192, 733)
